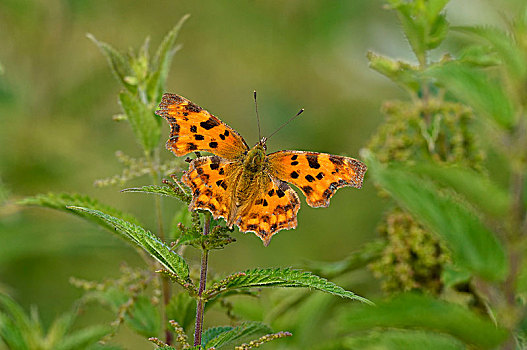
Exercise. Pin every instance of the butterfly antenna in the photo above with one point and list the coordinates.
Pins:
(286, 123)
(257, 116)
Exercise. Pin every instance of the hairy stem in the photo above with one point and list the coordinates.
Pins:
(202, 282)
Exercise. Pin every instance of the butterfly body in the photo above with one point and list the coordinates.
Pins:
(246, 186)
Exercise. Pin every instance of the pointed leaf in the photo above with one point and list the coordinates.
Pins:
(118, 63)
(145, 125)
(419, 311)
(400, 72)
(162, 61)
(163, 191)
(487, 96)
(214, 332)
(144, 317)
(473, 245)
(278, 277)
(146, 240)
(61, 201)
(182, 309)
(237, 333)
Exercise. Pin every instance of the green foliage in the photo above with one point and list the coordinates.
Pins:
(63, 202)
(20, 331)
(146, 240)
(227, 335)
(398, 340)
(182, 309)
(279, 277)
(419, 311)
(473, 245)
(144, 80)
(164, 191)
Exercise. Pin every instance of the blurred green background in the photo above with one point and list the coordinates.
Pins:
(58, 95)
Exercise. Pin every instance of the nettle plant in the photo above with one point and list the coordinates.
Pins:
(454, 244)
(146, 300)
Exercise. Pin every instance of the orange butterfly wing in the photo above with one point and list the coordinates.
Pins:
(273, 209)
(195, 129)
(317, 175)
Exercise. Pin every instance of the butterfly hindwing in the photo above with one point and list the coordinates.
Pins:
(211, 181)
(273, 209)
(317, 175)
(195, 129)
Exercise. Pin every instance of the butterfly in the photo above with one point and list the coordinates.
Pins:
(246, 186)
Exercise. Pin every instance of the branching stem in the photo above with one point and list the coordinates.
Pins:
(202, 282)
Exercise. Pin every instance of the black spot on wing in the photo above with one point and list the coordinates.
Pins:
(199, 137)
(339, 161)
(294, 162)
(193, 128)
(294, 175)
(320, 176)
(191, 107)
(191, 147)
(221, 171)
(265, 203)
(294, 157)
(310, 178)
(222, 136)
(312, 159)
(307, 190)
(209, 123)
(271, 192)
(280, 193)
(213, 144)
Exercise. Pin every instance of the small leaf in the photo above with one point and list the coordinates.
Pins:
(162, 190)
(278, 277)
(146, 240)
(400, 72)
(473, 245)
(412, 310)
(162, 61)
(487, 96)
(145, 125)
(214, 332)
(118, 63)
(62, 202)
(237, 333)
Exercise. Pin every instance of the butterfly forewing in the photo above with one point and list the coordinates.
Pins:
(317, 175)
(195, 129)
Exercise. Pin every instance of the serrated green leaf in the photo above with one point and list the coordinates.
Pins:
(434, 8)
(473, 245)
(414, 29)
(118, 63)
(144, 317)
(237, 333)
(454, 275)
(162, 61)
(401, 340)
(487, 96)
(146, 127)
(437, 32)
(475, 187)
(161, 190)
(214, 332)
(412, 310)
(146, 240)
(83, 338)
(479, 56)
(61, 201)
(279, 277)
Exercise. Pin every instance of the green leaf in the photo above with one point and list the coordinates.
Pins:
(146, 240)
(400, 72)
(60, 327)
(473, 245)
(472, 86)
(182, 309)
(354, 261)
(144, 317)
(279, 277)
(162, 61)
(62, 202)
(237, 333)
(163, 191)
(437, 32)
(419, 311)
(83, 338)
(504, 45)
(145, 125)
(401, 340)
(475, 187)
(118, 63)
(214, 332)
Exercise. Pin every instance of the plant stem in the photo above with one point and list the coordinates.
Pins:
(202, 282)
